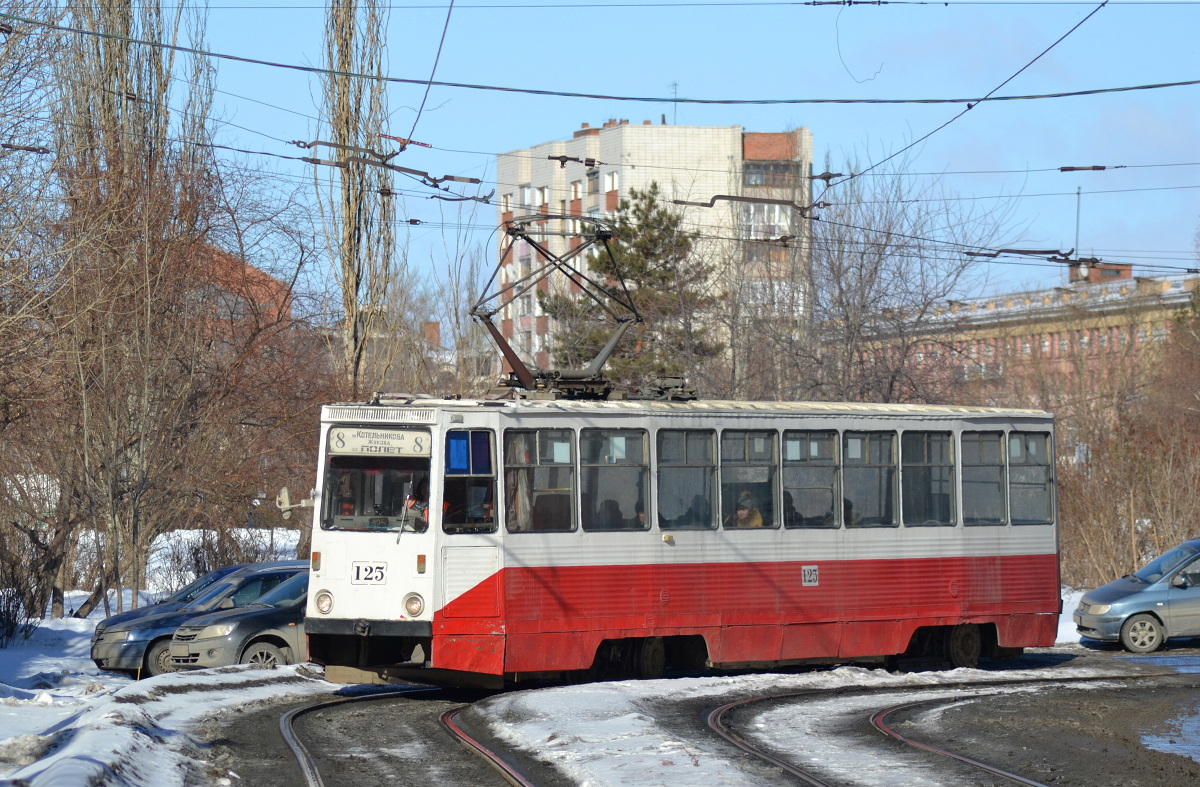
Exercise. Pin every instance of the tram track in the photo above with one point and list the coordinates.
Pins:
(304, 758)
(844, 727)
(878, 732)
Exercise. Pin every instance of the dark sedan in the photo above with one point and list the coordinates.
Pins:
(143, 646)
(267, 632)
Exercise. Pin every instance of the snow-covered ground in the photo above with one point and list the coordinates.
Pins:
(63, 722)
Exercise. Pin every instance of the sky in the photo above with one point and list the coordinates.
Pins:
(62, 721)
(998, 156)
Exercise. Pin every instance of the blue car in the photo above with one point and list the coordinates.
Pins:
(179, 598)
(1144, 609)
(142, 646)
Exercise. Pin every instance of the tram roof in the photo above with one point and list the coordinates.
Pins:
(667, 407)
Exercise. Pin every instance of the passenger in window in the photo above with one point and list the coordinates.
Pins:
(746, 514)
(791, 517)
(698, 513)
(609, 517)
(848, 513)
(639, 516)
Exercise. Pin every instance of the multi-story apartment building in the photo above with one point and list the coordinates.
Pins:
(589, 174)
(1100, 334)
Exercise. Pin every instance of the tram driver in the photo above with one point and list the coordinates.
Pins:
(417, 505)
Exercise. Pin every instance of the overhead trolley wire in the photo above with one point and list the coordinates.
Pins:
(971, 106)
(596, 96)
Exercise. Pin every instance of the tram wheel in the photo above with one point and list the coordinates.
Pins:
(650, 658)
(964, 645)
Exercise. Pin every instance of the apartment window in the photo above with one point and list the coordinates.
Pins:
(612, 181)
(543, 195)
(577, 189)
(526, 197)
(593, 181)
(506, 203)
(777, 174)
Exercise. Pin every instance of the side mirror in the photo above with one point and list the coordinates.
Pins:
(1179, 581)
(284, 503)
(226, 603)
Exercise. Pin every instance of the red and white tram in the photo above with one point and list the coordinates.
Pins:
(493, 541)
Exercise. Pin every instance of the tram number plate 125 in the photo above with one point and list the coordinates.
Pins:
(809, 576)
(368, 574)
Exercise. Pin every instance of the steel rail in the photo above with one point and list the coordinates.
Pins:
(507, 770)
(304, 758)
(879, 721)
(715, 720)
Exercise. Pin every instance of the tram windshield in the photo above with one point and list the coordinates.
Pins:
(376, 480)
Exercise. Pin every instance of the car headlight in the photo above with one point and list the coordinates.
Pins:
(324, 601)
(1099, 609)
(135, 635)
(219, 630)
(414, 605)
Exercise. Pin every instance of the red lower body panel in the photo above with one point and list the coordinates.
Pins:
(554, 618)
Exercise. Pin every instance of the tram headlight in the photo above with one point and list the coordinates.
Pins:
(324, 601)
(414, 605)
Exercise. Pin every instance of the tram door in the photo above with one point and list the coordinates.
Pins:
(471, 561)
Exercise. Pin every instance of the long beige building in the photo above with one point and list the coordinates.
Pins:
(589, 174)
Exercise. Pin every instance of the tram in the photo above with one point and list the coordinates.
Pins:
(560, 527)
(494, 541)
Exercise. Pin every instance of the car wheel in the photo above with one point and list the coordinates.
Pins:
(158, 659)
(964, 645)
(264, 655)
(1142, 634)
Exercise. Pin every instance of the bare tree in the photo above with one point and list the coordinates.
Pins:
(884, 256)
(357, 205)
(469, 362)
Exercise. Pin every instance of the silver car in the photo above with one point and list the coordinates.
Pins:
(267, 632)
(1143, 609)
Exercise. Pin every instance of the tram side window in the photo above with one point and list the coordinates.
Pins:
(539, 480)
(983, 484)
(809, 479)
(687, 475)
(927, 479)
(1030, 478)
(749, 463)
(614, 475)
(469, 491)
(869, 479)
